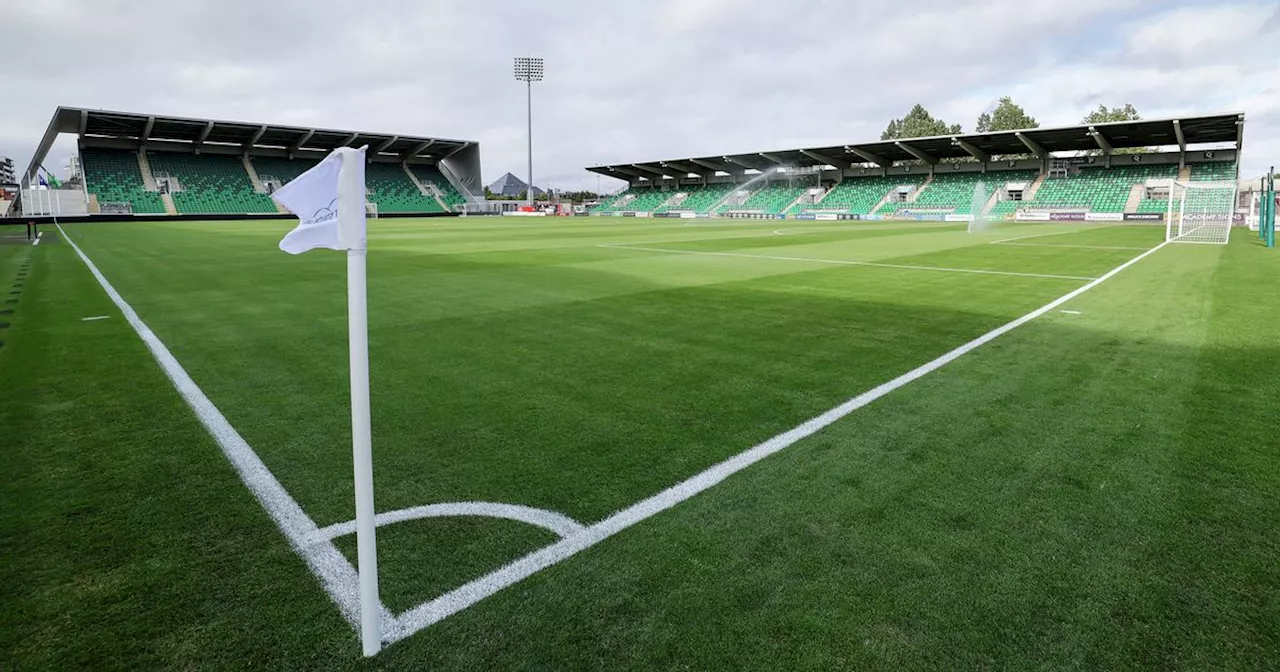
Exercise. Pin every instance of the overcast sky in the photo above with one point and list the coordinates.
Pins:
(635, 81)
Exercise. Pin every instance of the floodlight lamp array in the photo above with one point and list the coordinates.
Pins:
(528, 69)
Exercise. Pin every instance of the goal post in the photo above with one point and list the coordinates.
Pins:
(1200, 212)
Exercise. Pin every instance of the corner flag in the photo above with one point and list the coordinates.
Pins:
(316, 197)
(329, 201)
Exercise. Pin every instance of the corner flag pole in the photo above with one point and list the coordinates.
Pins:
(350, 219)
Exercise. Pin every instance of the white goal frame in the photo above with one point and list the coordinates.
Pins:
(1200, 212)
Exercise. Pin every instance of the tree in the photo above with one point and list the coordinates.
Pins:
(1103, 115)
(1007, 116)
(918, 123)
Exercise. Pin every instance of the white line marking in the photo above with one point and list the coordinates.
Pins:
(559, 523)
(1084, 247)
(845, 262)
(1037, 235)
(95, 317)
(336, 574)
(460, 598)
(1070, 312)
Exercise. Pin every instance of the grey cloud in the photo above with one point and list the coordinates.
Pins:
(625, 81)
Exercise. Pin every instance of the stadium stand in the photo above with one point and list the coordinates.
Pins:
(856, 195)
(772, 199)
(1094, 189)
(113, 176)
(285, 170)
(699, 197)
(211, 167)
(1214, 171)
(393, 191)
(210, 184)
(643, 199)
(621, 199)
(431, 174)
(953, 192)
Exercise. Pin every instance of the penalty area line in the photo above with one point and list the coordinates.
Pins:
(847, 262)
(464, 596)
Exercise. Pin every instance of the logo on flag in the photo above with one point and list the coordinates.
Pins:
(329, 203)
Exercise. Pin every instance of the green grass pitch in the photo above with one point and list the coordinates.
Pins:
(1097, 489)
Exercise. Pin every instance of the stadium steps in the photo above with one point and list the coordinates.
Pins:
(144, 166)
(884, 200)
(721, 201)
(915, 195)
(253, 175)
(434, 192)
(1030, 194)
(439, 185)
(1136, 192)
(675, 199)
(795, 202)
(991, 202)
(169, 207)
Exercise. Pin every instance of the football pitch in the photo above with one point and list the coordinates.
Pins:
(627, 444)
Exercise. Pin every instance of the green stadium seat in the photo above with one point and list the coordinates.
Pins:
(953, 192)
(431, 174)
(393, 191)
(114, 176)
(1098, 189)
(210, 184)
(856, 195)
(771, 199)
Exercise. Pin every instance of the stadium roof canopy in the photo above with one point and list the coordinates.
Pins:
(1182, 131)
(198, 133)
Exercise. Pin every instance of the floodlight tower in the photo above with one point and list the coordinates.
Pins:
(529, 70)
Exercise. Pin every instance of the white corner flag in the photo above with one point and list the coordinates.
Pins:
(329, 199)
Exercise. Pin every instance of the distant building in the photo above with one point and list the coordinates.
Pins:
(510, 185)
(7, 173)
(72, 169)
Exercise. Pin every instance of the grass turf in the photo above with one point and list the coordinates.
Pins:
(1092, 490)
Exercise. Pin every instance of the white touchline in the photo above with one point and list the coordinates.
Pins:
(335, 572)
(845, 262)
(95, 317)
(460, 598)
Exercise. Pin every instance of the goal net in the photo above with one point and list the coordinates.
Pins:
(1200, 212)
